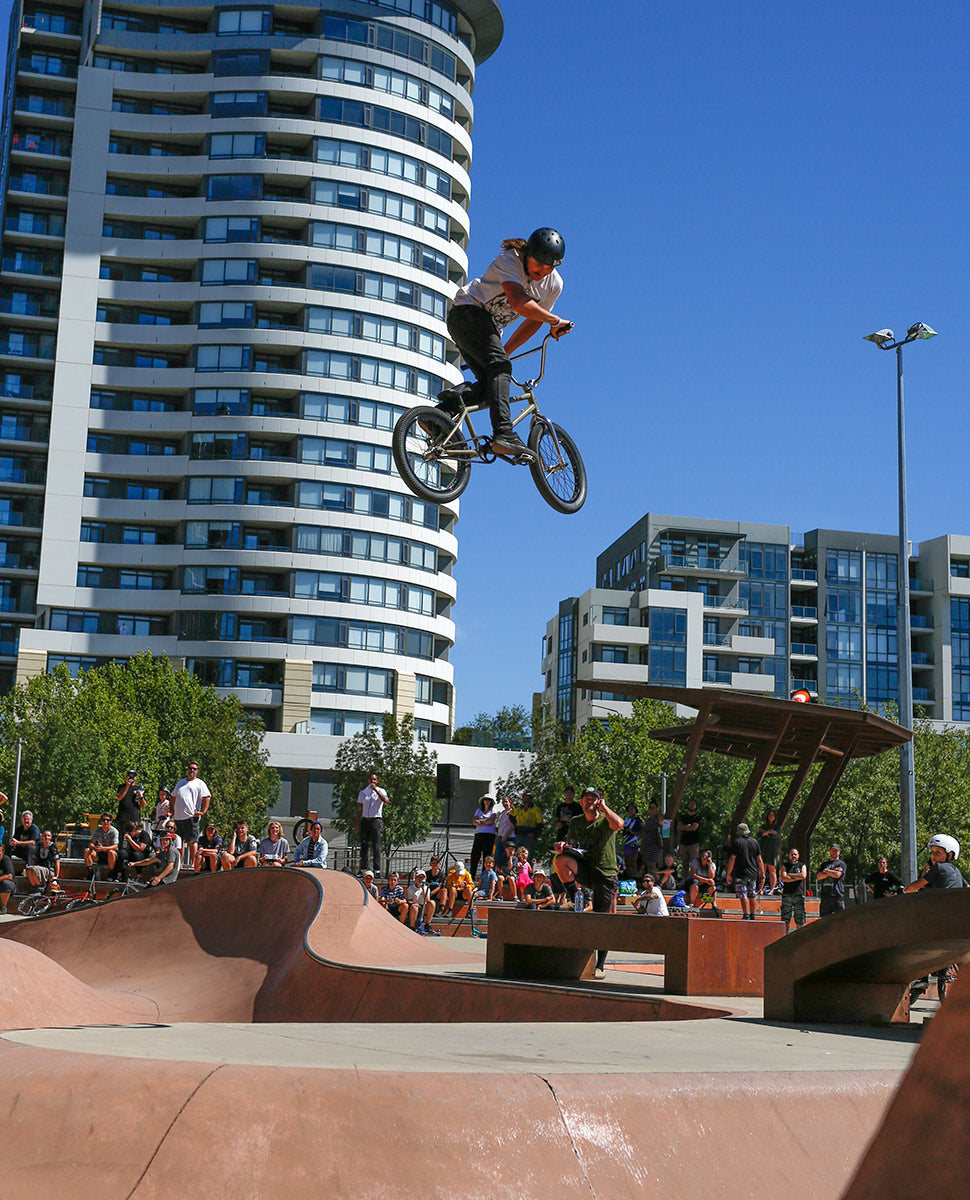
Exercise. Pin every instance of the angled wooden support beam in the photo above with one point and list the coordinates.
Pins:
(801, 774)
(690, 754)
(818, 797)
(758, 772)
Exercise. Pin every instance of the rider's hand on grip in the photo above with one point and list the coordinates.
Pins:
(563, 327)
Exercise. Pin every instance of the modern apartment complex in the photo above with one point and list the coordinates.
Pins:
(230, 234)
(701, 602)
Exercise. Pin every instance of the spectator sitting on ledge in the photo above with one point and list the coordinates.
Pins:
(488, 880)
(312, 851)
(209, 850)
(103, 847)
(274, 849)
(368, 881)
(393, 899)
(538, 893)
(243, 849)
(651, 901)
(457, 885)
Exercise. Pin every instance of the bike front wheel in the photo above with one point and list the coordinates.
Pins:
(34, 906)
(558, 471)
(425, 452)
(79, 903)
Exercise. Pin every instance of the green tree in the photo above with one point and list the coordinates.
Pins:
(406, 770)
(81, 735)
(508, 728)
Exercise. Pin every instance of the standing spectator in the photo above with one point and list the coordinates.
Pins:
(45, 872)
(243, 848)
(793, 875)
(652, 838)
(569, 808)
(769, 840)
(688, 833)
(369, 822)
(163, 811)
(131, 801)
(701, 875)
(746, 867)
(484, 840)
(594, 835)
(538, 894)
(25, 841)
(831, 884)
(190, 802)
(135, 846)
(523, 871)
(420, 905)
(392, 897)
(883, 882)
(632, 829)
(651, 901)
(7, 884)
(367, 879)
(274, 849)
(312, 851)
(458, 886)
(504, 830)
(528, 822)
(209, 852)
(103, 847)
(488, 881)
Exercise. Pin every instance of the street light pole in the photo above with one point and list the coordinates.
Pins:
(885, 340)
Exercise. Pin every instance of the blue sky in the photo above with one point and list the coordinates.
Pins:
(745, 191)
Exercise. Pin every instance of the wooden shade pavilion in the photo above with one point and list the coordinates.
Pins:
(771, 733)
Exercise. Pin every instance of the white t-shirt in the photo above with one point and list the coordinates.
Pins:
(371, 801)
(656, 906)
(487, 290)
(187, 797)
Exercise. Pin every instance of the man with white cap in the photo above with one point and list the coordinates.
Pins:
(420, 905)
(538, 893)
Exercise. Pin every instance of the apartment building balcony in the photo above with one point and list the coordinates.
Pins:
(606, 673)
(920, 624)
(724, 606)
(920, 587)
(619, 635)
(804, 652)
(743, 682)
(804, 614)
(802, 577)
(923, 696)
(807, 685)
(693, 564)
(922, 660)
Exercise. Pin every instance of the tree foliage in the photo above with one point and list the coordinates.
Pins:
(406, 770)
(508, 728)
(81, 735)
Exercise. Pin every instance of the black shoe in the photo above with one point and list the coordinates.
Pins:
(510, 445)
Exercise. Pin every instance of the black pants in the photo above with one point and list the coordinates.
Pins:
(482, 844)
(604, 890)
(473, 332)
(370, 843)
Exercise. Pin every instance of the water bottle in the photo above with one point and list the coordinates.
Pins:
(579, 902)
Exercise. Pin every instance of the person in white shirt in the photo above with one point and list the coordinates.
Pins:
(369, 822)
(522, 281)
(651, 900)
(190, 801)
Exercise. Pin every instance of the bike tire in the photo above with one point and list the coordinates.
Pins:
(79, 903)
(438, 481)
(561, 483)
(34, 906)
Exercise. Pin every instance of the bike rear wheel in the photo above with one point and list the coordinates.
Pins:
(558, 472)
(420, 445)
(80, 902)
(34, 906)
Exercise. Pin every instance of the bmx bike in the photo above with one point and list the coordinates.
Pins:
(434, 449)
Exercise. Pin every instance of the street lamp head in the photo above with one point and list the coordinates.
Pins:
(921, 331)
(881, 337)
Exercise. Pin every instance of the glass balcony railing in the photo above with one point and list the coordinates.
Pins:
(804, 573)
(920, 585)
(922, 696)
(712, 676)
(804, 648)
(921, 658)
(29, 304)
(38, 183)
(49, 64)
(51, 22)
(808, 685)
(920, 622)
(806, 611)
(725, 602)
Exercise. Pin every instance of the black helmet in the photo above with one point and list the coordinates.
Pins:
(546, 246)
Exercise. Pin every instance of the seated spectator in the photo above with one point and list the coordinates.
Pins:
(164, 863)
(3, 828)
(667, 875)
(436, 880)
(7, 884)
(312, 851)
(243, 849)
(883, 882)
(651, 900)
(163, 811)
(507, 869)
(45, 871)
(420, 905)
(208, 852)
(701, 877)
(135, 847)
(368, 881)
(393, 899)
(103, 847)
(488, 880)
(173, 833)
(458, 885)
(523, 871)
(538, 893)
(25, 841)
(274, 849)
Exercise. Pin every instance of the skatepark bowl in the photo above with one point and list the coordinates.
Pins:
(275, 1033)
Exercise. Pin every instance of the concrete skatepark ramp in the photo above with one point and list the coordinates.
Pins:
(856, 965)
(268, 945)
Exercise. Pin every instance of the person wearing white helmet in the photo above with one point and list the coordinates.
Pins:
(942, 871)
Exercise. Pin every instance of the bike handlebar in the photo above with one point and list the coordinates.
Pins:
(541, 350)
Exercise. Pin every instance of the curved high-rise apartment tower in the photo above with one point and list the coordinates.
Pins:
(230, 234)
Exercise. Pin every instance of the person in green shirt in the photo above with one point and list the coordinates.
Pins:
(592, 836)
